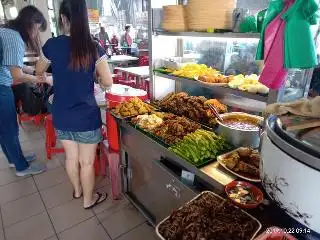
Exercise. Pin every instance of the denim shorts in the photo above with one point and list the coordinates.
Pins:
(90, 137)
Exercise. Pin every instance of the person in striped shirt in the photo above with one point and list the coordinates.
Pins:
(14, 37)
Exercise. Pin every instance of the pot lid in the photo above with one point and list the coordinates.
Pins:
(308, 140)
(126, 91)
(304, 146)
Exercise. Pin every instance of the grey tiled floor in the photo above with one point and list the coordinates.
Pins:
(42, 208)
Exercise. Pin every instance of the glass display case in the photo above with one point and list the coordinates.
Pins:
(230, 53)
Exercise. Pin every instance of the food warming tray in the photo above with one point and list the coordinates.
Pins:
(220, 160)
(163, 143)
(213, 84)
(132, 116)
(149, 134)
(200, 195)
(203, 126)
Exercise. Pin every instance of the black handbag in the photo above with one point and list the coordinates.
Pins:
(33, 98)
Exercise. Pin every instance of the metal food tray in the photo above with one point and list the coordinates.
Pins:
(161, 70)
(193, 79)
(111, 110)
(220, 161)
(149, 134)
(200, 195)
(203, 164)
(203, 126)
(119, 117)
(213, 84)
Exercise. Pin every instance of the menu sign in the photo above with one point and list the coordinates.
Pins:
(93, 15)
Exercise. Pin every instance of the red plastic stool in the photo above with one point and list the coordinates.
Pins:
(101, 162)
(23, 117)
(51, 142)
(51, 139)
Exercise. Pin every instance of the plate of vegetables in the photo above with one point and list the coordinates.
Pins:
(244, 195)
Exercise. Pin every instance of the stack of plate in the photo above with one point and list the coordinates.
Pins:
(208, 14)
(174, 18)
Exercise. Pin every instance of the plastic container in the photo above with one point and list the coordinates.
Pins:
(118, 94)
(257, 193)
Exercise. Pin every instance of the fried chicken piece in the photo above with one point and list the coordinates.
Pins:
(125, 114)
(232, 160)
(134, 112)
(244, 152)
(143, 110)
(221, 108)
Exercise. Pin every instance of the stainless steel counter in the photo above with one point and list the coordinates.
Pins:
(153, 187)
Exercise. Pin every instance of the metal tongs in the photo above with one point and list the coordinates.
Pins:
(215, 112)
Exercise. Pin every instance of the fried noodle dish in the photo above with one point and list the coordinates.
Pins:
(208, 218)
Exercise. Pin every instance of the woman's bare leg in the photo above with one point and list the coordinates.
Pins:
(72, 165)
(87, 153)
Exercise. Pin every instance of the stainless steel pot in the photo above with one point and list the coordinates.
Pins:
(238, 137)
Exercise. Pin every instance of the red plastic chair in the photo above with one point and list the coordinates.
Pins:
(51, 139)
(144, 61)
(119, 75)
(112, 159)
(51, 142)
(147, 88)
(101, 161)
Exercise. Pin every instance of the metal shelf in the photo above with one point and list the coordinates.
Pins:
(206, 34)
(218, 89)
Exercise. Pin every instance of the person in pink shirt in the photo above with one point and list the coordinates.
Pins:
(128, 39)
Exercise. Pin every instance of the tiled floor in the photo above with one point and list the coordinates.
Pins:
(42, 207)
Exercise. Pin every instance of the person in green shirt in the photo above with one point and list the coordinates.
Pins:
(299, 45)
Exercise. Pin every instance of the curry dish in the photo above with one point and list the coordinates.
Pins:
(241, 123)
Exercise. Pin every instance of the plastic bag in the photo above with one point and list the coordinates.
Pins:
(274, 73)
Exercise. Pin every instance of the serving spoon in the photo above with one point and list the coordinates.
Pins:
(215, 112)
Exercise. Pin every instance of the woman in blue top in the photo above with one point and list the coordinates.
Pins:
(75, 59)
(24, 30)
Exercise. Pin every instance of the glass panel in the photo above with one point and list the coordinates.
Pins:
(297, 84)
(230, 56)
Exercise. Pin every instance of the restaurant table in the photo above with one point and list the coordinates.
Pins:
(141, 73)
(120, 59)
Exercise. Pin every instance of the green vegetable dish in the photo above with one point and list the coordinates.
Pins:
(200, 147)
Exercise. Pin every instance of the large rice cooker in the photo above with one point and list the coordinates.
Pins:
(290, 170)
(118, 94)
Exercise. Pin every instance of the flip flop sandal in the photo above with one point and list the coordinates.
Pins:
(101, 198)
